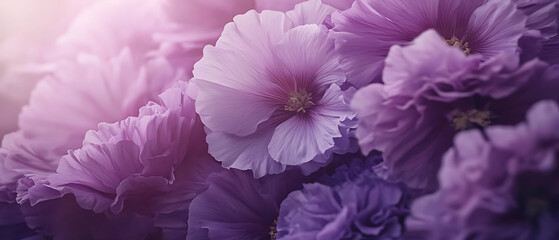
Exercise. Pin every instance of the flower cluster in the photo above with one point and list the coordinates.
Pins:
(279, 119)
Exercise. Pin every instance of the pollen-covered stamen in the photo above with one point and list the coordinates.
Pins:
(274, 230)
(455, 42)
(299, 101)
(462, 120)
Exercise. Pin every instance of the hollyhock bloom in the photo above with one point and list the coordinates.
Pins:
(364, 208)
(499, 186)
(269, 92)
(81, 94)
(134, 162)
(237, 206)
(365, 32)
(151, 165)
(432, 91)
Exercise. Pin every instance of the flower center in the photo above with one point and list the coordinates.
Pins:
(462, 120)
(455, 42)
(274, 230)
(299, 101)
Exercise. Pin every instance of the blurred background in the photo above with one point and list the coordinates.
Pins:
(28, 32)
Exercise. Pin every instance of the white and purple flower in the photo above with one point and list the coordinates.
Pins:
(270, 92)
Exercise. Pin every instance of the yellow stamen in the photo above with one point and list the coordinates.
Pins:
(455, 42)
(465, 120)
(299, 101)
(274, 230)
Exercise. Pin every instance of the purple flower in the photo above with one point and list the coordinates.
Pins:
(269, 92)
(365, 32)
(499, 186)
(81, 94)
(62, 218)
(351, 167)
(237, 206)
(155, 162)
(12, 223)
(543, 19)
(364, 208)
(432, 91)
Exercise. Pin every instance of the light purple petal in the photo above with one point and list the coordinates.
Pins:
(496, 26)
(249, 152)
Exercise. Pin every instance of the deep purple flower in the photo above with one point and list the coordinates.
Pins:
(364, 208)
(155, 162)
(432, 91)
(543, 18)
(62, 218)
(365, 32)
(12, 223)
(351, 166)
(269, 92)
(237, 206)
(499, 186)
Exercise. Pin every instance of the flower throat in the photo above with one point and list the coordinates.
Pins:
(463, 120)
(299, 101)
(455, 42)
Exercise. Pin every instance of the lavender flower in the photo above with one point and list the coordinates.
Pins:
(237, 206)
(365, 32)
(99, 91)
(148, 162)
(498, 186)
(432, 91)
(364, 208)
(269, 92)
